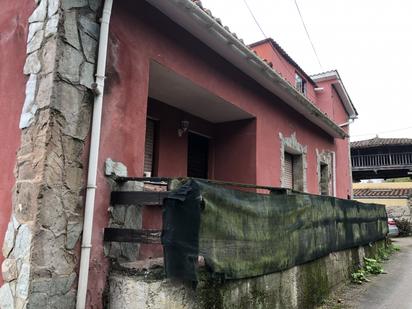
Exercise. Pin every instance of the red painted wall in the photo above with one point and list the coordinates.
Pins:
(283, 67)
(13, 36)
(251, 149)
(172, 149)
(235, 156)
(329, 102)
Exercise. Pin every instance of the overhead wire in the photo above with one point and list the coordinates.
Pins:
(383, 132)
(308, 35)
(255, 19)
(282, 60)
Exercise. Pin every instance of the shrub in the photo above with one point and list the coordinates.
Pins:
(404, 227)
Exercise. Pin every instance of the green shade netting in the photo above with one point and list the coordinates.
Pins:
(245, 234)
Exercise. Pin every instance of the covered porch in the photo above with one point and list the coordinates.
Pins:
(192, 132)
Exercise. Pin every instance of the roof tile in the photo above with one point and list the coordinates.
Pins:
(383, 193)
(377, 141)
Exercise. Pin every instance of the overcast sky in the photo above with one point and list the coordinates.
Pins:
(368, 41)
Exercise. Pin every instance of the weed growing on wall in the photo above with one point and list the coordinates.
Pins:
(373, 266)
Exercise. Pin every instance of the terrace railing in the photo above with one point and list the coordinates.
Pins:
(382, 160)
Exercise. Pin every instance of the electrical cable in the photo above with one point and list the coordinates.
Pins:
(282, 60)
(256, 21)
(307, 33)
(382, 132)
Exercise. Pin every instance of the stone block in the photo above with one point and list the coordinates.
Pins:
(58, 285)
(9, 238)
(72, 149)
(69, 64)
(75, 109)
(70, 4)
(87, 75)
(9, 270)
(74, 230)
(29, 106)
(133, 217)
(52, 26)
(89, 47)
(25, 200)
(132, 186)
(49, 254)
(70, 29)
(35, 42)
(51, 213)
(45, 90)
(38, 300)
(33, 29)
(16, 222)
(54, 174)
(118, 214)
(26, 169)
(129, 252)
(6, 297)
(74, 178)
(39, 14)
(23, 282)
(113, 168)
(67, 301)
(20, 303)
(23, 243)
(32, 65)
(95, 4)
(53, 7)
(90, 27)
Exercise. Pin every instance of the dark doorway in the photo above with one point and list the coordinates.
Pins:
(197, 156)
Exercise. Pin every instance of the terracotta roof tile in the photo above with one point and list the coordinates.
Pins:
(377, 141)
(382, 193)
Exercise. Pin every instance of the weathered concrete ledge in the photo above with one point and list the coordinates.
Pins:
(302, 286)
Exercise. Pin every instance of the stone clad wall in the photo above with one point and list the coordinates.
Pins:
(42, 241)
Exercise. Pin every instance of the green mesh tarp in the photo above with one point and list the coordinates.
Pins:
(244, 234)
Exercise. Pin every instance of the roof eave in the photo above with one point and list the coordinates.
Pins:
(340, 89)
(204, 27)
(286, 56)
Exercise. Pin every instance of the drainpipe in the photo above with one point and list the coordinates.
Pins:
(334, 173)
(93, 157)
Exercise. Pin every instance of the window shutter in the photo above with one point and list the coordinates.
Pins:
(288, 173)
(149, 146)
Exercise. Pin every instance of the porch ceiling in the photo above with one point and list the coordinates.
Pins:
(167, 86)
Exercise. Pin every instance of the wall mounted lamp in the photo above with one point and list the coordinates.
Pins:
(184, 126)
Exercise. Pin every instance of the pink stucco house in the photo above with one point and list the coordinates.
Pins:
(183, 97)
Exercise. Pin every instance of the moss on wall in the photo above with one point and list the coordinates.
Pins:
(303, 286)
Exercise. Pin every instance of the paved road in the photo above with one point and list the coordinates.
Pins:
(391, 290)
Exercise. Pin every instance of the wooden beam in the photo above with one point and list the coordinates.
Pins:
(131, 235)
(137, 198)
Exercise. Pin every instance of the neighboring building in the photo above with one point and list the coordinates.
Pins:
(183, 97)
(396, 196)
(381, 158)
